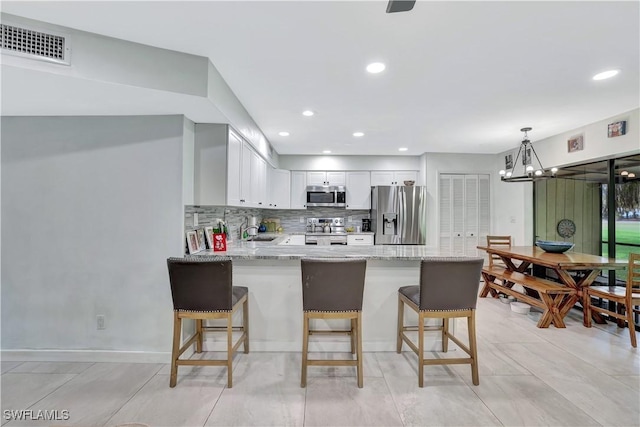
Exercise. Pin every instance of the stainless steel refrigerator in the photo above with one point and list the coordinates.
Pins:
(398, 215)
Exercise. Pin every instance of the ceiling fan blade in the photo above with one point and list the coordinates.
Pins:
(400, 5)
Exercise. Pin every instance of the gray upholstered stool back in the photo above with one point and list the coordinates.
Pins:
(200, 284)
(332, 284)
(449, 284)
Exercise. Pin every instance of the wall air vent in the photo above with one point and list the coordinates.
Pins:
(35, 44)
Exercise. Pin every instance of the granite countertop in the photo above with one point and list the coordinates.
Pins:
(272, 250)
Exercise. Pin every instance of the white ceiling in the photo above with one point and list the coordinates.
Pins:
(461, 76)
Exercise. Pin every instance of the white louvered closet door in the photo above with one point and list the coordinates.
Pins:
(470, 214)
(464, 213)
(446, 225)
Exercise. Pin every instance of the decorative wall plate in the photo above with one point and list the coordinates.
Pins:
(566, 228)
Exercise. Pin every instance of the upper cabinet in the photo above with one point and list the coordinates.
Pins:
(279, 188)
(234, 166)
(227, 170)
(392, 177)
(326, 178)
(298, 190)
(358, 188)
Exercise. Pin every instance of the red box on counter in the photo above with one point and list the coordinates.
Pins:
(219, 242)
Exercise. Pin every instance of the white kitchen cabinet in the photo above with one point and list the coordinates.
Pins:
(279, 188)
(298, 190)
(325, 178)
(245, 177)
(211, 152)
(234, 166)
(358, 189)
(227, 170)
(258, 177)
(392, 177)
(359, 239)
(293, 240)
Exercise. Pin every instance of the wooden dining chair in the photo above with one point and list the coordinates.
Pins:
(629, 296)
(492, 241)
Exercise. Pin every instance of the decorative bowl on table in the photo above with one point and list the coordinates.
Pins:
(553, 246)
(409, 183)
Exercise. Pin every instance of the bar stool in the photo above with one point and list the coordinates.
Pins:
(333, 289)
(448, 289)
(202, 289)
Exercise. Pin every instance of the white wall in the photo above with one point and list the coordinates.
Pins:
(91, 209)
(516, 199)
(349, 162)
(107, 59)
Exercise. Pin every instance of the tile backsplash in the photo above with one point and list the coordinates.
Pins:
(289, 218)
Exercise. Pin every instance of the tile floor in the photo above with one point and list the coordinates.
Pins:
(528, 376)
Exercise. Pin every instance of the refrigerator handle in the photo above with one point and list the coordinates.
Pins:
(401, 214)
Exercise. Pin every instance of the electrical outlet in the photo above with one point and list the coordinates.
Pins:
(301, 220)
(350, 219)
(195, 219)
(100, 322)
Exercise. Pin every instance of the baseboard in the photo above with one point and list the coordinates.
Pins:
(23, 355)
(106, 356)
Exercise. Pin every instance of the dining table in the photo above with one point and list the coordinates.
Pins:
(573, 269)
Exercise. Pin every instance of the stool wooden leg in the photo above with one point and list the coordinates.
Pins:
(245, 324)
(359, 354)
(229, 351)
(445, 334)
(353, 336)
(400, 324)
(200, 336)
(420, 350)
(305, 349)
(471, 322)
(177, 328)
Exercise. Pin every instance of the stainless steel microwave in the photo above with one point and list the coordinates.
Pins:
(326, 195)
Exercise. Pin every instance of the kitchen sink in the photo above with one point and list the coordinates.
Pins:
(261, 239)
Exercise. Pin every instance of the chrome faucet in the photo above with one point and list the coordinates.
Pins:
(244, 227)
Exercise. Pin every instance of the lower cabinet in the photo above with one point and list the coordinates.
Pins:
(360, 239)
(296, 239)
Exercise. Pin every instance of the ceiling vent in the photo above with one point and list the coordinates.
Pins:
(35, 44)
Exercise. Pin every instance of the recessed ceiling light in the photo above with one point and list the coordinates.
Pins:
(376, 67)
(308, 113)
(358, 134)
(403, 149)
(326, 152)
(606, 74)
(283, 133)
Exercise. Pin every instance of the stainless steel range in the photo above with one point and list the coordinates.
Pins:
(325, 231)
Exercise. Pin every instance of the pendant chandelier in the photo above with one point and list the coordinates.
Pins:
(529, 163)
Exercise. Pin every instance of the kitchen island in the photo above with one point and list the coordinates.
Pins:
(272, 274)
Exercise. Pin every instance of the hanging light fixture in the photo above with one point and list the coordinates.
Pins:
(532, 168)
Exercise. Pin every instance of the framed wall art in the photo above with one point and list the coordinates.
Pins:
(192, 242)
(508, 161)
(617, 129)
(208, 234)
(575, 143)
(202, 242)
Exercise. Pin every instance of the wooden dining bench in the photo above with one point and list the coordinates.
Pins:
(555, 299)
